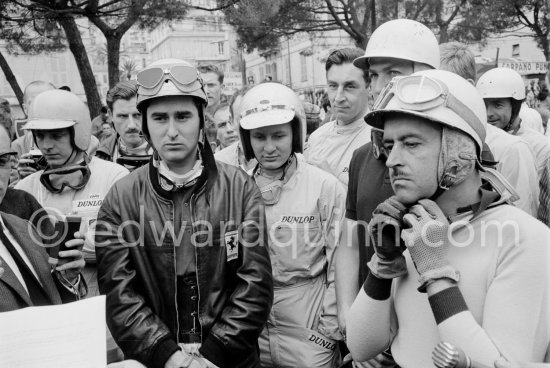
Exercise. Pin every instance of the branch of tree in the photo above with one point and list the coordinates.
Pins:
(419, 9)
(221, 7)
(454, 13)
(337, 18)
(521, 15)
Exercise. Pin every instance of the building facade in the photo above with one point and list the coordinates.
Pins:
(298, 62)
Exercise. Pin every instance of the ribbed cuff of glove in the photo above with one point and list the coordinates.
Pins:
(444, 272)
(385, 269)
(376, 288)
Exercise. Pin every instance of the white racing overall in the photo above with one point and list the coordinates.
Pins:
(302, 330)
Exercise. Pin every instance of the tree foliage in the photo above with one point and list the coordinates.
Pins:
(484, 18)
(112, 17)
(260, 23)
(20, 35)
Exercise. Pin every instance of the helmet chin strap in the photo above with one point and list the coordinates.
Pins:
(283, 167)
(68, 158)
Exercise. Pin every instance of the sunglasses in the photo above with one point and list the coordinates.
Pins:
(133, 162)
(183, 76)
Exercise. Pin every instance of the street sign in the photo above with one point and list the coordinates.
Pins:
(233, 81)
(526, 67)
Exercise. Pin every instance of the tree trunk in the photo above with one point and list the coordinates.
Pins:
(10, 77)
(545, 43)
(113, 57)
(83, 64)
(372, 15)
(443, 33)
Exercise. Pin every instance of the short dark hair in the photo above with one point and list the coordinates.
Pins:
(212, 69)
(124, 90)
(456, 57)
(346, 56)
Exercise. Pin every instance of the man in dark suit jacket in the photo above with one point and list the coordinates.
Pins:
(13, 295)
(26, 278)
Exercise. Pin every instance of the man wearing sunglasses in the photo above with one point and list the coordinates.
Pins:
(191, 286)
(128, 147)
(454, 260)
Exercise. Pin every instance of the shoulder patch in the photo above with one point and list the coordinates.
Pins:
(232, 245)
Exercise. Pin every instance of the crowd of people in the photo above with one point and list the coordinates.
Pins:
(247, 233)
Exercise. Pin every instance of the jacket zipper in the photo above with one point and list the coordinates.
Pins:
(175, 278)
(191, 209)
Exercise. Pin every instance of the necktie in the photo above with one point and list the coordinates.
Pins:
(36, 293)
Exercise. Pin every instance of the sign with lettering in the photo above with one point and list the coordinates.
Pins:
(526, 67)
(233, 81)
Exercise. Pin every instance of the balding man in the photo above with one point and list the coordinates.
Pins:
(24, 144)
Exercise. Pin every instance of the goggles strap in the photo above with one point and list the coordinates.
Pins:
(467, 114)
(45, 177)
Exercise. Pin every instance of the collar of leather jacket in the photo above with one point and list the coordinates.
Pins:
(209, 173)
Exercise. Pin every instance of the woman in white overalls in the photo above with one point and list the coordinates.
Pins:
(304, 210)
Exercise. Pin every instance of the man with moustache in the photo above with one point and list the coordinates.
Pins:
(396, 48)
(128, 147)
(454, 260)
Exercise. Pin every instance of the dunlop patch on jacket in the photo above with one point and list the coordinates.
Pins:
(232, 245)
(321, 341)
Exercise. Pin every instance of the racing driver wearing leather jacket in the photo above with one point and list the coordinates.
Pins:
(182, 253)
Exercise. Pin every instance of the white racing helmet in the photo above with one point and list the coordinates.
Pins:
(270, 104)
(402, 39)
(446, 99)
(58, 109)
(501, 83)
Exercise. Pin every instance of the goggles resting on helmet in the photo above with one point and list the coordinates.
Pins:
(422, 93)
(185, 78)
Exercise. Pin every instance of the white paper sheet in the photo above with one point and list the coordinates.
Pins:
(62, 336)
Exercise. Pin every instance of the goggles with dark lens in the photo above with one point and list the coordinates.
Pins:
(6, 160)
(185, 78)
(422, 93)
(132, 162)
(55, 180)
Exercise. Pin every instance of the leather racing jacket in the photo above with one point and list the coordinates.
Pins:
(137, 269)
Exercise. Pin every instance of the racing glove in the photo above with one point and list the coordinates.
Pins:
(385, 226)
(427, 238)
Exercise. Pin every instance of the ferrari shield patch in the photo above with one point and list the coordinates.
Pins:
(232, 245)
